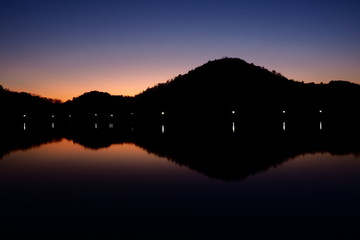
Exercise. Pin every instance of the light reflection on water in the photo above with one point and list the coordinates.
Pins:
(234, 128)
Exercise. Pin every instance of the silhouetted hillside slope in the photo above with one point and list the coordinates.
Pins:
(16, 105)
(231, 88)
(96, 101)
(217, 93)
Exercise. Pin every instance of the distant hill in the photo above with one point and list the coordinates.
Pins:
(233, 81)
(22, 102)
(227, 82)
(97, 102)
(222, 90)
(215, 90)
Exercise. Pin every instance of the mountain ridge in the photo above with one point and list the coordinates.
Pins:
(210, 91)
(195, 73)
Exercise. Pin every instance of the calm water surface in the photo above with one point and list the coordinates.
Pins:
(123, 189)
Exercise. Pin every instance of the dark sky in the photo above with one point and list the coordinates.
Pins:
(62, 48)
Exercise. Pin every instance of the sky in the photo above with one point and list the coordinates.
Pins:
(63, 48)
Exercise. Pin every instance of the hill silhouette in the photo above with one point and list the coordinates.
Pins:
(15, 106)
(217, 93)
(102, 104)
(231, 89)
(18, 101)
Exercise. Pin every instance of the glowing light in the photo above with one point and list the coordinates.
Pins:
(24, 115)
(52, 116)
(70, 116)
(162, 129)
(283, 111)
(96, 126)
(321, 127)
(233, 112)
(24, 126)
(111, 115)
(284, 126)
(162, 113)
(52, 125)
(95, 115)
(233, 127)
(111, 125)
(320, 111)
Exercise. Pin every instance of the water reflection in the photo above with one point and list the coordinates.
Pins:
(321, 126)
(75, 186)
(92, 178)
(52, 125)
(111, 125)
(284, 126)
(215, 155)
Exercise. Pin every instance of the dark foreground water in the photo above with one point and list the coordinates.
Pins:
(86, 185)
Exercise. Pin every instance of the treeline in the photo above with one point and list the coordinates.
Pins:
(22, 102)
(98, 102)
(220, 90)
(211, 93)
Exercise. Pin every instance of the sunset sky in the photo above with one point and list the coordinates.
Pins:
(63, 48)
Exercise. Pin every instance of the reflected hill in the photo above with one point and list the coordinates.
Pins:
(221, 156)
(20, 140)
(237, 157)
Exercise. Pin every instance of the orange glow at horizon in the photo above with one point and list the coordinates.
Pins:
(68, 82)
(52, 81)
(68, 87)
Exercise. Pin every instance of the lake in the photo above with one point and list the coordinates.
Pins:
(101, 183)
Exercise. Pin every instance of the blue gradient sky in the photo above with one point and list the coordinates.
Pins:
(63, 48)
